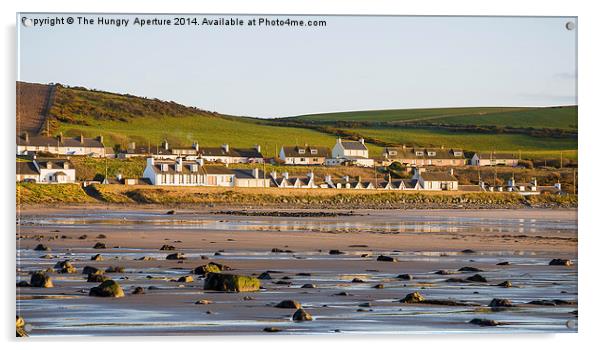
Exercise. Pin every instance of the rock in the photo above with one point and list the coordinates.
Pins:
(101, 236)
(203, 302)
(278, 250)
(20, 325)
(231, 283)
(500, 303)
(288, 304)
(484, 322)
(248, 297)
(272, 329)
(91, 270)
(283, 282)
(469, 269)
(41, 247)
(97, 257)
(477, 278)
(170, 212)
(306, 274)
(405, 276)
(302, 315)
(505, 284)
(146, 258)
(367, 304)
(98, 278)
(47, 256)
(443, 272)
(65, 267)
(83, 237)
(186, 279)
(265, 276)
(109, 289)
(115, 269)
(175, 256)
(357, 280)
(386, 258)
(138, 290)
(335, 252)
(167, 247)
(308, 285)
(468, 251)
(23, 284)
(209, 267)
(503, 263)
(456, 280)
(561, 262)
(100, 245)
(379, 286)
(413, 298)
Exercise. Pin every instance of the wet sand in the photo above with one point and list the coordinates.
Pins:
(423, 242)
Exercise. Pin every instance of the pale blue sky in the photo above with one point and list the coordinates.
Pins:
(355, 63)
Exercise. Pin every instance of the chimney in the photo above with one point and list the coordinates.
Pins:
(359, 179)
(258, 148)
(535, 182)
(165, 145)
(327, 178)
(273, 174)
(81, 138)
(346, 178)
(150, 161)
(179, 164)
(26, 137)
(285, 175)
(558, 186)
(511, 182)
(60, 137)
(119, 177)
(200, 161)
(132, 145)
(310, 174)
(255, 173)
(195, 145)
(100, 139)
(65, 165)
(362, 140)
(226, 148)
(403, 146)
(339, 140)
(451, 171)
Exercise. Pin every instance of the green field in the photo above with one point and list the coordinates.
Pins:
(544, 147)
(549, 117)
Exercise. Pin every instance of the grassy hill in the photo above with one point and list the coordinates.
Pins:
(122, 118)
(564, 117)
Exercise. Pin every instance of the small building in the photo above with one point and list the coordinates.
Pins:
(304, 155)
(228, 155)
(420, 156)
(60, 145)
(251, 178)
(494, 158)
(350, 152)
(47, 171)
(217, 175)
(178, 172)
(436, 180)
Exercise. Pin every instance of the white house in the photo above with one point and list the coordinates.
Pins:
(303, 155)
(352, 152)
(48, 171)
(494, 158)
(436, 180)
(178, 172)
(60, 145)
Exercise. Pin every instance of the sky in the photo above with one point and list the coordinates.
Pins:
(353, 63)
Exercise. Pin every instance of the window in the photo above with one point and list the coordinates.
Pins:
(314, 151)
(458, 154)
(301, 151)
(431, 154)
(419, 153)
(393, 153)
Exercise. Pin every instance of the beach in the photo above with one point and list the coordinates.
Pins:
(353, 292)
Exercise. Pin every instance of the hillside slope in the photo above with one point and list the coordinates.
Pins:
(33, 102)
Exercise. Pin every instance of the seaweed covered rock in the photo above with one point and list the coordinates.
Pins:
(405, 277)
(500, 303)
(413, 298)
(97, 257)
(469, 269)
(92, 270)
(40, 279)
(209, 267)
(560, 262)
(21, 327)
(186, 279)
(265, 276)
(98, 278)
(386, 258)
(288, 304)
(176, 256)
(231, 283)
(65, 266)
(301, 315)
(100, 245)
(109, 289)
(167, 247)
(41, 247)
(477, 278)
(138, 290)
(505, 284)
(483, 322)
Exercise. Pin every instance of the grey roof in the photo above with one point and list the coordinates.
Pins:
(410, 153)
(247, 173)
(54, 163)
(26, 168)
(354, 145)
(232, 152)
(293, 151)
(438, 176)
(43, 141)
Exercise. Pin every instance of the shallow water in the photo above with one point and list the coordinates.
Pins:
(170, 309)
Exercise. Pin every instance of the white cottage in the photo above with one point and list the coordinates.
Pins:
(352, 152)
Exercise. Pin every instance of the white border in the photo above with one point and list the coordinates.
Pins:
(590, 180)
